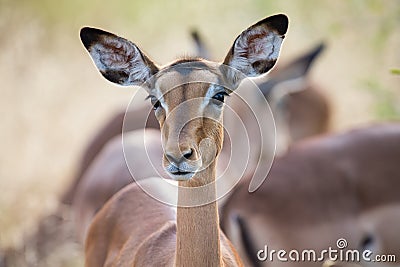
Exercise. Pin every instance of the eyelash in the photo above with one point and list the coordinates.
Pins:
(220, 96)
(155, 102)
(156, 105)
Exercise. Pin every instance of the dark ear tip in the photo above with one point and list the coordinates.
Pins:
(91, 35)
(279, 23)
(88, 36)
(315, 52)
(320, 47)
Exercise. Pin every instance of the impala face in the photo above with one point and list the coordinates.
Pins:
(188, 95)
(188, 100)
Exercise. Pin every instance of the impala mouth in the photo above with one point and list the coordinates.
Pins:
(179, 174)
(183, 172)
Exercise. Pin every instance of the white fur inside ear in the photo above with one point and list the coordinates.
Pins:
(254, 45)
(119, 55)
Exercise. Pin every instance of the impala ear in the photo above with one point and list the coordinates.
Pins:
(256, 49)
(118, 60)
(292, 77)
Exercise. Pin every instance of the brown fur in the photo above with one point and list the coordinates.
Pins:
(130, 234)
(315, 193)
(308, 113)
(112, 128)
(110, 173)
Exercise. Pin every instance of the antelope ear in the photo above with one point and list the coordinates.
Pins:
(256, 49)
(118, 60)
(292, 77)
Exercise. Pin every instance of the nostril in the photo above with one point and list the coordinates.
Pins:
(179, 156)
(188, 154)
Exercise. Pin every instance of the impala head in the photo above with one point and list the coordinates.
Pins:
(188, 95)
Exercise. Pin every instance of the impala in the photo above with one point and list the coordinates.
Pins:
(307, 114)
(187, 95)
(321, 190)
(303, 112)
(97, 182)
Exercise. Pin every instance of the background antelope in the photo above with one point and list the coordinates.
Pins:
(322, 189)
(190, 116)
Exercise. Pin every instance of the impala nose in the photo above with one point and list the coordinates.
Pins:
(177, 158)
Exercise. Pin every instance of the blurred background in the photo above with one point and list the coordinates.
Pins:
(53, 99)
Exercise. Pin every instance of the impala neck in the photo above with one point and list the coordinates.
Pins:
(198, 242)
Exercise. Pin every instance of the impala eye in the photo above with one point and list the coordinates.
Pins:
(155, 102)
(220, 96)
(156, 105)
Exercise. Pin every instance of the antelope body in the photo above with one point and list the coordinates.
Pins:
(321, 190)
